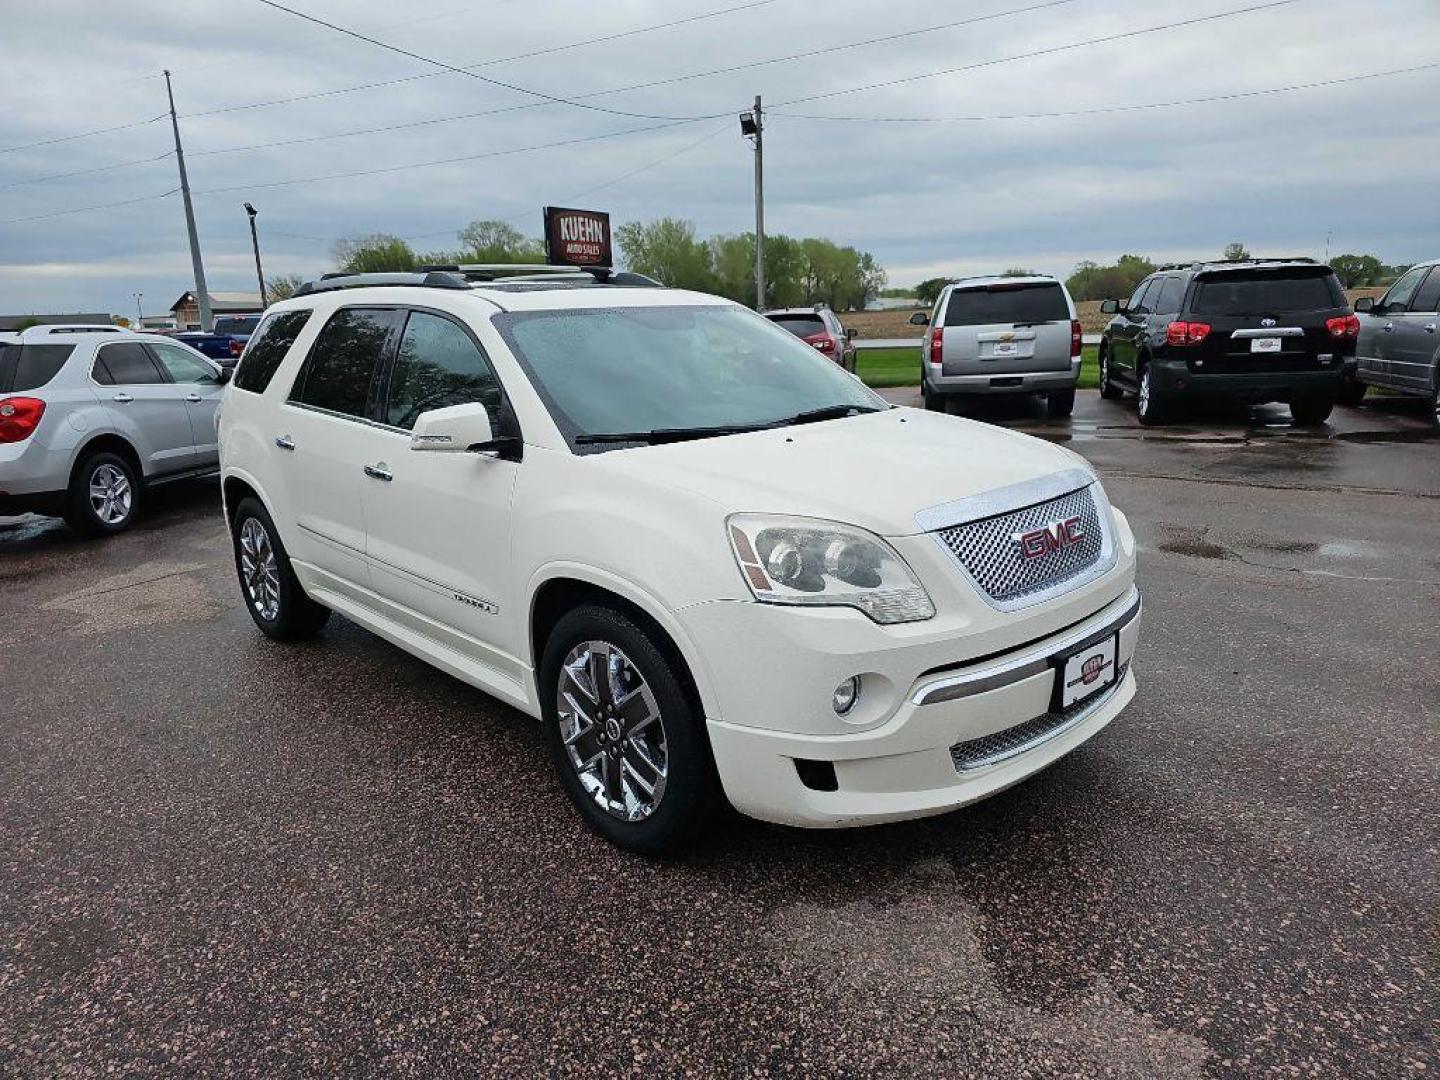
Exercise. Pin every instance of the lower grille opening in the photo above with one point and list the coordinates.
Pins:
(817, 775)
(1013, 741)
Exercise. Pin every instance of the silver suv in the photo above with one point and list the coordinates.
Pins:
(1001, 335)
(91, 415)
(1399, 346)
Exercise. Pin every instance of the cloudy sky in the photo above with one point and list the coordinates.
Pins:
(653, 130)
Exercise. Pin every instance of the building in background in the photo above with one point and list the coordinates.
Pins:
(186, 311)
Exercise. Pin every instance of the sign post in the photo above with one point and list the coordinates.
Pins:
(577, 237)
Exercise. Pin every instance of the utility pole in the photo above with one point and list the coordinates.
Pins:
(202, 294)
(139, 314)
(759, 207)
(255, 243)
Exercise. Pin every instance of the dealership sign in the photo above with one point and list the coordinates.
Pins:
(577, 237)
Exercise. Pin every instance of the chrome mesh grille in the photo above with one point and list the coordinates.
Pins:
(990, 553)
(997, 747)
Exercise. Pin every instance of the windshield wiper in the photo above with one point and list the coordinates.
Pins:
(827, 412)
(665, 435)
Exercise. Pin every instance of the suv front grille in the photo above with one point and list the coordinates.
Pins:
(991, 552)
(1013, 741)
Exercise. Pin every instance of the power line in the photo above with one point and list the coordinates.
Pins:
(87, 172)
(622, 89)
(87, 209)
(83, 134)
(1052, 50)
(1235, 96)
(552, 98)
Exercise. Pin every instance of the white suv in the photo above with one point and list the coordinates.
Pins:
(713, 564)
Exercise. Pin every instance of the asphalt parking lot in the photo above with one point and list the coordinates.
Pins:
(219, 855)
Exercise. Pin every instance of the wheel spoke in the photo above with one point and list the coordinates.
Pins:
(570, 683)
(636, 710)
(600, 672)
(646, 787)
(584, 743)
(614, 791)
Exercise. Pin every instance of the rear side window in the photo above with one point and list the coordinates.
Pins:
(1427, 297)
(267, 348)
(343, 360)
(439, 365)
(1261, 293)
(800, 325)
(1170, 293)
(29, 367)
(1030, 303)
(127, 363)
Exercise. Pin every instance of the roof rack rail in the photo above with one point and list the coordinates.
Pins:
(428, 280)
(533, 272)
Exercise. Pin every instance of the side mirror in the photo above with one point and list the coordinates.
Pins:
(222, 375)
(1365, 303)
(453, 430)
(919, 319)
(851, 333)
(1109, 307)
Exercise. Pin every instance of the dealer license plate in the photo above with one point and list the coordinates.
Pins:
(1265, 344)
(1005, 348)
(1087, 672)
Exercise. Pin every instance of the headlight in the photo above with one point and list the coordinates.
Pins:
(808, 561)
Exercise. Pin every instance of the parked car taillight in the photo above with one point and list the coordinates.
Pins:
(937, 345)
(1186, 333)
(1343, 326)
(824, 342)
(1076, 337)
(236, 347)
(19, 417)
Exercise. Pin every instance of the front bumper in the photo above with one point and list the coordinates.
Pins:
(1175, 376)
(1003, 382)
(902, 765)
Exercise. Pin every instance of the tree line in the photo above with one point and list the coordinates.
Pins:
(797, 271)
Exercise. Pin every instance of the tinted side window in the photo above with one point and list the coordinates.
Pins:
(343, 360)
(1146, 303)
(126, 363)
(1427, 297)
(1134, 301)
(1401, 292)
(29, 367)
(1170, 293)
(267, 348)
(439, 365)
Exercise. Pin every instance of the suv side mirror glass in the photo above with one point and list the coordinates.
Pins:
(452, 430)
(1110, 307)
(919, 319)
(851, 333)
(222, 376)
(1366, 303)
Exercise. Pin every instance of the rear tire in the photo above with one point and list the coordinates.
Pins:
(1435, 401)
(933, 402)
(272, 593)
(1060, 404)
(663, 729)
(104, 495)
(1311, 411)
(1108, 390)
(1151, 405)
(1352, 391)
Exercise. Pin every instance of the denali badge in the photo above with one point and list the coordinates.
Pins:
(1048, 539)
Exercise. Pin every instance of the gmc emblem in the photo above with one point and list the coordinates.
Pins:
(1049, 539)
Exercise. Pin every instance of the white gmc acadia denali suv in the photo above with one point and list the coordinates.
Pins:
(714, 565)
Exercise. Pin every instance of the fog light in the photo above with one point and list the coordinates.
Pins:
(846, 694)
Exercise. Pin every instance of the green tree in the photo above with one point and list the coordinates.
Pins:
(1091, 281)
(376, 253)
(1235, 251)
(282, 287)
(1359, 271)
(928, 291)
(498, 242)
(666, 249)
(1018, 271)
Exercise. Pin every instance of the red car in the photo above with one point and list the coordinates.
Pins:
(820, 327)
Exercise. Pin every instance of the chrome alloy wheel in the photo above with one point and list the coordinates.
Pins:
(1143, 401)
(259, 570)
(613, 733)
(110, 494)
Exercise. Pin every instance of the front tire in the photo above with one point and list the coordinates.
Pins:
(1060, 404)
(104, 495)
(1108, 390)
(273, 595)
(1151, 404)
(1435, 401)
(1311, 411)
(629, 746)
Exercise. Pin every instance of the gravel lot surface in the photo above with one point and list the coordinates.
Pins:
(222, 856)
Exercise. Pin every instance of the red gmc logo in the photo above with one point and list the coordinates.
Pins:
(1048, 539)
(1092, 669)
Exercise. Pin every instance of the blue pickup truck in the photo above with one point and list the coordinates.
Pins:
(225, 344)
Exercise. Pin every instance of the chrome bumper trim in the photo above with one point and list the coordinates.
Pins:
(1031, 660)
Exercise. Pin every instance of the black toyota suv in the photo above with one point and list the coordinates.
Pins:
(1252, 330)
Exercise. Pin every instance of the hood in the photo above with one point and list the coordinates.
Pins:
(876, 470)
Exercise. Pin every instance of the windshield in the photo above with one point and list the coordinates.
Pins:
(643, 369)
(1260, 293)
(997, 304)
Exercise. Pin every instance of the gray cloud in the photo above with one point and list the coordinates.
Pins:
(1279, 171)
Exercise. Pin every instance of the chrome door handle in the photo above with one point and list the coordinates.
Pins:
(285, 442)
(1430, 328)
(1389, 326)
(379, 472)
(123, 398)
(194, 398)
